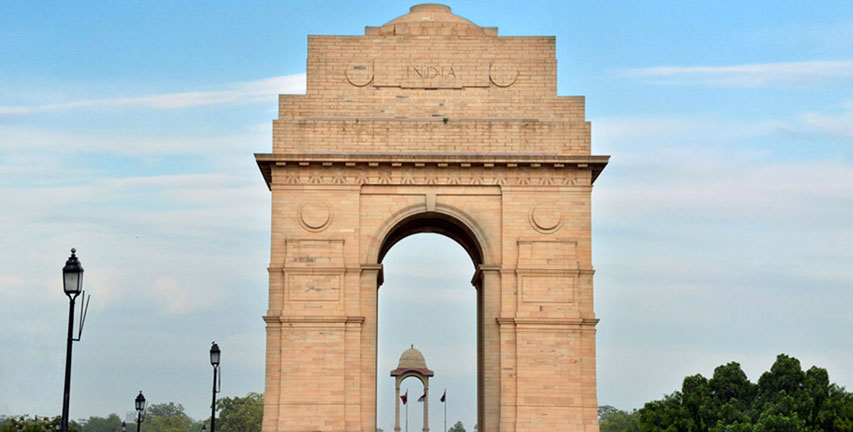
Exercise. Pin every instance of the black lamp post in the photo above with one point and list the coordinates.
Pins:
(203, 428)
(214, 360)
(140, 409)
(72, 284)
(123, 427)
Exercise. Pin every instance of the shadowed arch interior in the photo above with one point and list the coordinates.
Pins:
(455, 228)
(438, 223)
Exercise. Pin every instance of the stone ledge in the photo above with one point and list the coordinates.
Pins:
(266, 161)
(557, 322)
(313, 319)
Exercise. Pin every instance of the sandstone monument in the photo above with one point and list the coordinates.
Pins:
(431, 123)
(411, 364)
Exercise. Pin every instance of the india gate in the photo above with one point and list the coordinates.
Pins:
(431, 123)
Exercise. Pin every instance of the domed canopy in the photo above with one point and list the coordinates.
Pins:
(412, 361)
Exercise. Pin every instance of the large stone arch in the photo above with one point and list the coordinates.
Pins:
(445, 220)
(431, 123)
(461, 226)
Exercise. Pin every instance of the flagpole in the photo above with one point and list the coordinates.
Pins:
(445, 413)
(407, 414)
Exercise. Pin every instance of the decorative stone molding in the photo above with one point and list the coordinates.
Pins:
(315, 216)
(503, 75)
(360, 74)
(428, 170)
(545, 218)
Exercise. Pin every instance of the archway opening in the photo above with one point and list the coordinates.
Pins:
(427, 299)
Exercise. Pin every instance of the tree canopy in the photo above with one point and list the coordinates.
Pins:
(457, 427)
(786, 398)
(25, 423)
(167, 417)
(240, 414)
(234, 414)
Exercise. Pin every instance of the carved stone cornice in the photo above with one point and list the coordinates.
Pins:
(576, 323)
(430, 169)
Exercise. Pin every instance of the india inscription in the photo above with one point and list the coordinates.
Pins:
(431, 123)
(420, 73)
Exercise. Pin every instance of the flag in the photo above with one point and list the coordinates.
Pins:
(444, 395)
(422, 398)
(405, 397)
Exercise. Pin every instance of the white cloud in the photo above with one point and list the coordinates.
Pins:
(23, 140)
(748, 75)
(682, 129)
(838, 125)
(235, 93)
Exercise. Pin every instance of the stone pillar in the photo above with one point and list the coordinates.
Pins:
(370, 280)
(489, 351)
(397, 406)
(272, 386)
(426, 405)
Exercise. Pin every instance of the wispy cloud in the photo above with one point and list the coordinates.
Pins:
(608, 130)
(234, 93)
(748, 75)
(835, 124)
(16, 140)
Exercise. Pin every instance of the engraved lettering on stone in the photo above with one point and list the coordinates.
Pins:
(309, 287)
(430, 72)
(435, 73)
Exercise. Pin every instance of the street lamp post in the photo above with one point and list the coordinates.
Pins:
(140, 409)
(123, 427)
(72, 284)
(214, 360)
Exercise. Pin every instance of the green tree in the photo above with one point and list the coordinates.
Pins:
(786, 398)
(24, 423)
(615, 420)
(697, 408)
(111, 423)
(731, 398)
(457, 427)
(240, 414)
(167, 417)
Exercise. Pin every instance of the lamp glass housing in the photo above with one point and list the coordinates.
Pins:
(140, 403)
(72, 275)
(214, 354)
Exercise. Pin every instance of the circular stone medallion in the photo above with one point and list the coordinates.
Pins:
(545, 218)
(502, 74)
(360, 74)
(315, 215)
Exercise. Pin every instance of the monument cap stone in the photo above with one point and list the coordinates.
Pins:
(430, 19)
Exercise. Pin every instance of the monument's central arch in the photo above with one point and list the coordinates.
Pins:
(431, 123)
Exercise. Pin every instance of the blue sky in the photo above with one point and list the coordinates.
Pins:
(721, 228)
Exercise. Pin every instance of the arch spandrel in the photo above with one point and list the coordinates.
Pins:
(447, 220)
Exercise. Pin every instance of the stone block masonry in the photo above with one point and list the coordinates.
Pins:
(431, 123)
